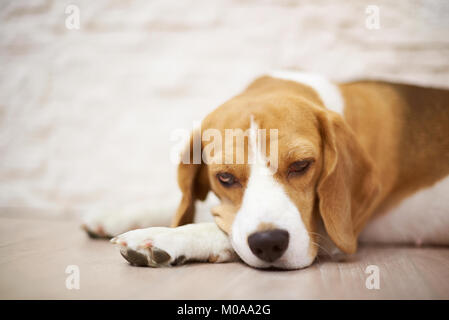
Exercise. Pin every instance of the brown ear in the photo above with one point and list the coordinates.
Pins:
(348, 186)
(192, 180)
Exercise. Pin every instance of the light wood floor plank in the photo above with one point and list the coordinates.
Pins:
(34, 254)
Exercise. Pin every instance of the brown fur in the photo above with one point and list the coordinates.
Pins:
(405, 130)
(392, 141)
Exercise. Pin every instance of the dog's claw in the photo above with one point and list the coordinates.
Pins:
(146, 244)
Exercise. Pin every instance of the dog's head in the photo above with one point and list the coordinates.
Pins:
(313, 172)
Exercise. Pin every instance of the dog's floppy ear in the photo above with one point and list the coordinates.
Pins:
(348, 186)
(192, 180)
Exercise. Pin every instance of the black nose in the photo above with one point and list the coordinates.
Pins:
(269, 245)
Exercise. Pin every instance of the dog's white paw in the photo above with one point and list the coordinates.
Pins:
(107, 224)
(163, 247)
(154, 247)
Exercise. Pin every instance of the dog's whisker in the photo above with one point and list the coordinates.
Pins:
(322, 248)
(321, 237)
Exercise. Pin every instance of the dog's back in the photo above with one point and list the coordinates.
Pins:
(405, 128)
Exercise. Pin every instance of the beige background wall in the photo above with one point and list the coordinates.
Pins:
(86, 115)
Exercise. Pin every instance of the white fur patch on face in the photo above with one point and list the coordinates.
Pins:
(328, 92)
(265, 201)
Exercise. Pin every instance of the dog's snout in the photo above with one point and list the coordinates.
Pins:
(269, 245)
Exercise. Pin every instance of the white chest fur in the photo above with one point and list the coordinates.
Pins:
(422, 218)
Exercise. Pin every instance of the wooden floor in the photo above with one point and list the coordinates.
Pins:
(34, 255)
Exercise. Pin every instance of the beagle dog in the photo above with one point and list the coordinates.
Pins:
(364, 161)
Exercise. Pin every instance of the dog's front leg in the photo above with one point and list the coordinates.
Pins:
(163, 247)
(110, 223)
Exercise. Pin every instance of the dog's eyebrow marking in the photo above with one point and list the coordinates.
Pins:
(328, 92)
(304, 150)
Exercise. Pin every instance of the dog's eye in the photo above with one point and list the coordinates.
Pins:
(227, 179)
(298, 168)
